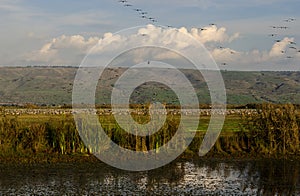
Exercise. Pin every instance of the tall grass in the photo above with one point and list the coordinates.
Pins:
(18, 137)
(273, 131)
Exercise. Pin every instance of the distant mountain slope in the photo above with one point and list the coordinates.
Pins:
(53, 85)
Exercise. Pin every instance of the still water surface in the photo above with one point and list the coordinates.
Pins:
(201, 177)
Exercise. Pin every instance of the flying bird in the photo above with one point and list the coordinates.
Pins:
(202, 29)
(294, 43)
(123, 1)
(282, 27)
(127, 5)
(292, 47)
(289, 20)
(272, 35)
(138, 10)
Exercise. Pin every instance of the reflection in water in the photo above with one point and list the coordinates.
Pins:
(200, 177)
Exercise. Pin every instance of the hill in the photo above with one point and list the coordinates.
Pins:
(53, 86)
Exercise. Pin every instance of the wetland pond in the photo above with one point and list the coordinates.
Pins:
(198, 177)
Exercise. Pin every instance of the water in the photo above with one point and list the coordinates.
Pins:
(201, 177)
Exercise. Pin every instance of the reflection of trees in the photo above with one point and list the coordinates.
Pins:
(267, 177)
(170, 174)
(279, 177)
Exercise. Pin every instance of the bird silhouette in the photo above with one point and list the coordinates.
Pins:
(272, 35)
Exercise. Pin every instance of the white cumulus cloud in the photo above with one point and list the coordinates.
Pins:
(70, 50)
(279, 47)
(63, 50)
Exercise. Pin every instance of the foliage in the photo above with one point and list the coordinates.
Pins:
(275, 129)
(272, 132)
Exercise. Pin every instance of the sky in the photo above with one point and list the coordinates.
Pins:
(239, 34)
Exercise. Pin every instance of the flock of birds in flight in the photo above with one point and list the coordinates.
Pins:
(143, 14)
(292, 45)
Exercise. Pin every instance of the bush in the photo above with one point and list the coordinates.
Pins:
(275, 129)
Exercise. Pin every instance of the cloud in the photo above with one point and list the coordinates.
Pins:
(70, 50)
(282, 56)
(279, 47)
(10, 6)
(212, 34)
(63, 50)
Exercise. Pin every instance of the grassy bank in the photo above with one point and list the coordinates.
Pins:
(272, 132)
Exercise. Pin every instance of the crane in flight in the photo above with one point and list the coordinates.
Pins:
(292, 47)
(273, 34)
(289, 20)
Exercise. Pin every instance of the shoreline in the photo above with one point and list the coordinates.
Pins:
(53, 159)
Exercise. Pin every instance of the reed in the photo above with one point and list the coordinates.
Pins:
(275, 129)
(272, 132)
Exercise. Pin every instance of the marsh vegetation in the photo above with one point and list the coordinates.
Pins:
(271, 131)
